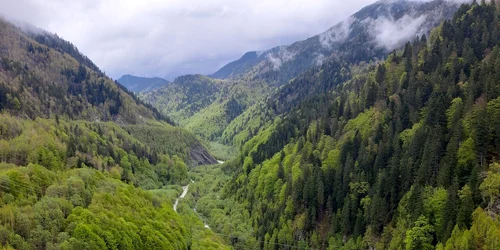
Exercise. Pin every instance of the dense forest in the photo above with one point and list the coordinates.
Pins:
(186, 96)
(206, 106)
(211, 108)
(352, 153)
(403, 154)
(85, 164)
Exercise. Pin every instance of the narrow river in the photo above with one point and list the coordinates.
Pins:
(185, 190)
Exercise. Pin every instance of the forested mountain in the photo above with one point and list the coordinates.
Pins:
(45, 80)
(78, 151)
(39, 80)
(185, 96)
(215, 109)
(337, 147)
(368, 34)
(398, 155)
(138, 84)
(203, 105)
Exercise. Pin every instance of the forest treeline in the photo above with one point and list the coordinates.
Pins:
(79, 155)
(402, 155)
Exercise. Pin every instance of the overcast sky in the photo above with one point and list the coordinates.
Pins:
(167, 38)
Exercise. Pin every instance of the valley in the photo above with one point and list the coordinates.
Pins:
(350, 139)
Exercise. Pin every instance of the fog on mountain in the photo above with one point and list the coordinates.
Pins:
(381, 132)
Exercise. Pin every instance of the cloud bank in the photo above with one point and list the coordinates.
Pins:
(391, 33)
(174, 37)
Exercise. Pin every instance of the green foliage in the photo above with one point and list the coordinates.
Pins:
(45, 76)
(103, 146)
(483, 234)
(420, 236)
(70, 196)
(185, 96)
(70, 181)
(205, 106)
(83, 208)
(172, 140)
(392, 157)
(222, 152)
(490, 187)
(225, 216)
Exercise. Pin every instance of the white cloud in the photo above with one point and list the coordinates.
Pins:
(391, 33)
(172, 37)
(281, 56)
(337, 33)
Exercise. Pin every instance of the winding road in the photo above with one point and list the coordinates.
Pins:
(184, 192)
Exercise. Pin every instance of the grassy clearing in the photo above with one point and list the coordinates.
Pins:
(222, 152)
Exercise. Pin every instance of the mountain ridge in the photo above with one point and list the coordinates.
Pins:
(341, 39)
(44, 80)
(139, 84)
(236, 133)
(403, 155)
(85, 164)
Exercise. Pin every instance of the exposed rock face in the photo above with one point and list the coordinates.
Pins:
(200, 156)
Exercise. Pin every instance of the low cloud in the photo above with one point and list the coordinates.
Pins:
(390, 33)
(337, 33)
(283, 55)
(169, 38)
(320, 58)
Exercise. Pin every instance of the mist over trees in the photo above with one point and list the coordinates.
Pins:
(350, 153)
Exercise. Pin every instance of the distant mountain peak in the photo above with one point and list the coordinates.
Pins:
(370, 33)
(139, 84)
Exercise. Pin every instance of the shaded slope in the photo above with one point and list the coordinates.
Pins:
(40, 81)
(72, 174)
(138, 84)
(205, 105)
(397, 157)
(46, 82)
(368, 34)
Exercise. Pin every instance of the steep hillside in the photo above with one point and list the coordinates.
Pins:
(311, 83)
(368, 34)
(403, 155)
(40, 81)
(203, 105)
(72, 185)
(77, 156)
(185, 96)
(138, 84)
(48, 82)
